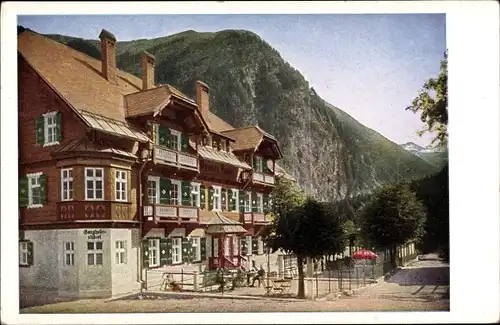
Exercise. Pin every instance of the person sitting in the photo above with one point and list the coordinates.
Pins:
(259, 277)
(252, 272)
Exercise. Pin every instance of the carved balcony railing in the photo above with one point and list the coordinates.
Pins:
(94, 210)
(254, 218)
(267, 179)
(172, 157)
(159, 213)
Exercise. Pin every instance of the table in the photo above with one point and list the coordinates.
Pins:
(280, 287)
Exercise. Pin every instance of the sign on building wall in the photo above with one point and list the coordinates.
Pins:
(94, 233)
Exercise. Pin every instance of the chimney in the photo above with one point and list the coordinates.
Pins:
(108, 51)
(147, 70)
(202, 99)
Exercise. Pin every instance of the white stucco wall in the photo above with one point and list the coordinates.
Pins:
(50, 272)
(43, 274)
(124, 277)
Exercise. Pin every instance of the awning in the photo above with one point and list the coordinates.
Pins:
(115, 127)
(220, 225)
(198, 232)
(220, 156)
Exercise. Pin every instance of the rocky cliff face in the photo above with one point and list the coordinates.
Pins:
(331, 154)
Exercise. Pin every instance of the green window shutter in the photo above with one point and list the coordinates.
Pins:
(255, 245)
(145, 253)
(58, 127)
(43, 188)
(184, 142)
(186, 250)
(231, 200)
(156, 135)
(164, 252)
(203, 248)
(164, 191)
(186, 193)
(254, 162)
(40, 129)
(23, 192)
(223, 204)
(30, 253)
(266, 203)
(241, 197)
(163, 135)
(243, 246)
(267, 162)
(168, 250)
(254, 202)
(211, 198)
(202, 197)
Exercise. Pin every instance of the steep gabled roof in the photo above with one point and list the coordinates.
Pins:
(77, 76)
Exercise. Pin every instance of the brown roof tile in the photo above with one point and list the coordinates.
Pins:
(146, 102)
(77, 76)
(246, 138)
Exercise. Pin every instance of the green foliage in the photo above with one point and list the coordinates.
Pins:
(309, 230)
(393, 217)
(432, 104)
(286, 195)
(433, 191)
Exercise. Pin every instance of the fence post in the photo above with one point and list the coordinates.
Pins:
(317, 296)
(329, 287)
(195, 280)
(182, 278)
(146, 279)
(349, 273)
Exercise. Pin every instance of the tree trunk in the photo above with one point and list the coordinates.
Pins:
(300, 266)
(394, 263)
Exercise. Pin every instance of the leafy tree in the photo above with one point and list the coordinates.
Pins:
(309, 230)
(432, 103)
(393, 217)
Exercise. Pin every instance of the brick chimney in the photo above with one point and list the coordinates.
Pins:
(147, 70)
(202, 99)
(108, 52)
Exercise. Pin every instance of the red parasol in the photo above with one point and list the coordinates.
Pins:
(364, 254)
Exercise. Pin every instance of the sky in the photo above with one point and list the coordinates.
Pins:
(370, 66)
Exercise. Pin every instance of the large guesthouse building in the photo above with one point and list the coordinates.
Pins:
(118, 175)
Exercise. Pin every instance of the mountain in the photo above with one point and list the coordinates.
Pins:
(332, 155)
(434, 156)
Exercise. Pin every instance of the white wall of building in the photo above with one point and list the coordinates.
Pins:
(50, 271)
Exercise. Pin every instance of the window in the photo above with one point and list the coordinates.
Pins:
(235, 246)
(94, 181)
(34, 190)
(23, 253)
(175, 140)
(258, 164)
(215, 247)
(154, 252)
(175, 190)
(260, 203)
(69, 253)
(223, 145)
(121, 179)
(94, 252)
(120, 252)
(153, 190)
(50, 128)
(195, 194)
(248, 202)
(67, 184)
(176, 250)
(227, 246)
(217, 198)
(196, 246)
(236, 200)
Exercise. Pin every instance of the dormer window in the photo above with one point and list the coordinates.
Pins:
(170, 138)
(222, 145)
(258, 164)
(215, 144)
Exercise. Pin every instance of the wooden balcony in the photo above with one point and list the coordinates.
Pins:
(267, 179)
(94, 210)
(176, 158)
(250, 218)
(160, 213)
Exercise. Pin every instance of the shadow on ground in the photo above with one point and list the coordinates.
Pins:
(437, 276)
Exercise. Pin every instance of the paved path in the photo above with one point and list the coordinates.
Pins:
(423, 280)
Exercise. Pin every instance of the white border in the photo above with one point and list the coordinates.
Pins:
(472, 40)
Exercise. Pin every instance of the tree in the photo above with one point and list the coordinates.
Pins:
(393, 217)
(432, 103)
(308, 230)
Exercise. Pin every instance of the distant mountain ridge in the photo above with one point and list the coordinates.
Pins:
(331, 154)
(434, 156)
